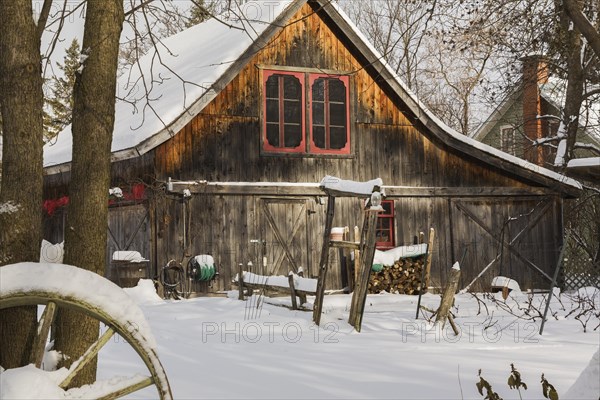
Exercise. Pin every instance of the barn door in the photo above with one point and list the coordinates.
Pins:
(510, 237)
(284, 226)
(128, 229)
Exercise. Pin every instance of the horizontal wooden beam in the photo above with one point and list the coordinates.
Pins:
(404, 191)
(344, 244)
(313, 189)
(280, 289)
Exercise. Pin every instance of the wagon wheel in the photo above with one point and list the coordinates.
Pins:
(39, 284)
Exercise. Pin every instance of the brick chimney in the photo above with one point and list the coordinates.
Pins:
(535, 72)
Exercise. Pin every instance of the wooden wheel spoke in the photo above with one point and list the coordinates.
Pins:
(43, 330)
(91, 352)
(135, 384)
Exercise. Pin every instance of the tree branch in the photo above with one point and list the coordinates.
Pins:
(41, 24)
(583, 24)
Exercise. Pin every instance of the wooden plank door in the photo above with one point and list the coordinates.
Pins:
(128, 229)
(284, 227)
(510, 237)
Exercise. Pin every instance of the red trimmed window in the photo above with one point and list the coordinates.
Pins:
(385, 226)
(329, 115)
(284, 112)
(293, 125)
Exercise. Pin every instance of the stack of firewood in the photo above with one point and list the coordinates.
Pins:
(404, 277)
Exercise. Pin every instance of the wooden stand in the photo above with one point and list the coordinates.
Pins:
(367, 251)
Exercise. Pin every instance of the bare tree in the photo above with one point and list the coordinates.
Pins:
(397, 29)
(443, 66)
(521, 27)
(21, 100)
(456, 71)
(583, 24)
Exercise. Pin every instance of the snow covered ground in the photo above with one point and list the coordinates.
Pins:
(223, 348)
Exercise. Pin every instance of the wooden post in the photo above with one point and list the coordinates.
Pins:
(427, 265)
(356, 257)
(453, 325)
(367, 252)
(302, 297)
(448, 296)
(292, 290)
(324, 262)
(241, 281)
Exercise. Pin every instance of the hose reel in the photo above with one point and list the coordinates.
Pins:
(201, 268)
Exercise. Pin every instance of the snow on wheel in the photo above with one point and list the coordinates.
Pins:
(59, 285)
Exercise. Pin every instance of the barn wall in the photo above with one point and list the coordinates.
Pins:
(222, 143)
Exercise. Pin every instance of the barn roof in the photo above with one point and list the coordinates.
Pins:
(196, 64)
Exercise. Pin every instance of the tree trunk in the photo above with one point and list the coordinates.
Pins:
(93, 123)
(573, 9)
(574, 95)
(21, 100)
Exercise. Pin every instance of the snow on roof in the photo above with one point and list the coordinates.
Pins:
(584, 162)
(423, 110)
(201, 63)
(190, 63)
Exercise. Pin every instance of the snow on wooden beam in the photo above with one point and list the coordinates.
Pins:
(314, 189)
(334, 186)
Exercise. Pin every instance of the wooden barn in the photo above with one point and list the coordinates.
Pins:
(248, 113)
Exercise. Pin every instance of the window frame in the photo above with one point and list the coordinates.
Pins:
(391, 217)
(266, 146)
(307, 148)
(508, 142)
(313, 148)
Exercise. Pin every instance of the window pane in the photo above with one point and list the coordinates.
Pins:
(318, 89)
(272, 86)
(293, 135)
(292, 112)
(337, 90)
(272, 111)
(318, 113)
(387, 206)
(337, 114)
(273, 134)
(338, 138)
(291, 88)
(319, 136)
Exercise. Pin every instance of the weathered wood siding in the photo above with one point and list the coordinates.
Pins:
(222, 143)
